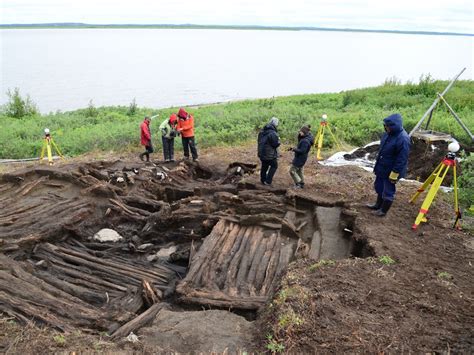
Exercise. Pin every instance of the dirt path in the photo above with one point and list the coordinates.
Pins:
(342, 291)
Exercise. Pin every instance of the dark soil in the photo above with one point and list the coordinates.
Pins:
(356, 302)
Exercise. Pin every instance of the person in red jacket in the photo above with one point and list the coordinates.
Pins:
(186, 128)
(146, 138)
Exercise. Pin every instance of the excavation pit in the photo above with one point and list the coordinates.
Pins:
(191, 236)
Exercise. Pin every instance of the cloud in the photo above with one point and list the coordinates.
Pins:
(453, 15)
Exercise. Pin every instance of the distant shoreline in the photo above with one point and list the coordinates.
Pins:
(220, 27)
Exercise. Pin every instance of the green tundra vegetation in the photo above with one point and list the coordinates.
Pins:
(355, 117)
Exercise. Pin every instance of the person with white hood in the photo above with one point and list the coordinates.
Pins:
(268, 143)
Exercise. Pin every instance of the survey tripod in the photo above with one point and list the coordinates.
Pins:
(435, 180)
(323, 125)
(48, 145)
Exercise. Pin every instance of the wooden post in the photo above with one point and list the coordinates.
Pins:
(457, 117)
(420, 122)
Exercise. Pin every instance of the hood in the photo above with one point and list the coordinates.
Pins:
(394, 122)
(269, 127)
(308, 136)
(182, 113)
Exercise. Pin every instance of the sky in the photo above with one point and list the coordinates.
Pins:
(418, 15)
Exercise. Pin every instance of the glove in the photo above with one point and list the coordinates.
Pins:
(393, 177)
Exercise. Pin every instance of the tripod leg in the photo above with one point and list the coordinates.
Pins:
(57, 149)
(456, 201)
(320, 142)
(334, 138)
(50, 155)
(42, 152)
(427, 182)
(430, 196)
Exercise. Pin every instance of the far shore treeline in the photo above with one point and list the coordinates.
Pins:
(355, 117)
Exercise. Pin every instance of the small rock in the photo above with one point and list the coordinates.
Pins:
(151, 257)
(136, 239)
(107, 235)
(145, 246)
(196, 202)
(132, 338)
(165, 253)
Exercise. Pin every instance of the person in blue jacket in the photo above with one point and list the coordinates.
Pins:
(268, 143)
(391, 163)
(305, 142)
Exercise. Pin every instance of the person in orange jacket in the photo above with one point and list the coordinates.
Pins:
(186, 128)
(146, 138)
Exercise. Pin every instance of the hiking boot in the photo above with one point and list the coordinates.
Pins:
(382, 211)
(141, 156)
(267, 183)
(376, 205)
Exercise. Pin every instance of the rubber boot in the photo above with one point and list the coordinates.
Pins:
(384, 209)
(376, 205)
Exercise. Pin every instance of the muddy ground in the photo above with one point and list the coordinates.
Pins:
(355, 282)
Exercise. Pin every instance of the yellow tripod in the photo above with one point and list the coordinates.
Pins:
(435, 180)
(48, 145)
(323, 125)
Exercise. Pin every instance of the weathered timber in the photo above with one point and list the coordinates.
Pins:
(139, 321)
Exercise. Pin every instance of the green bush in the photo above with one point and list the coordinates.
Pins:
(18, 107)
(466, 181)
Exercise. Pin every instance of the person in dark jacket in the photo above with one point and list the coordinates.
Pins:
(391, 163)
(145, 138)
(305, 142)
(268, 143)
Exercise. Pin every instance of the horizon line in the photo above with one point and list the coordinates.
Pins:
(228, 26)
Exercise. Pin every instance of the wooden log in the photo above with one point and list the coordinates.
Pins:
(255, 262)
(83, 293)
(271, 268)
(203, 252)
(150, 294)
(144, 203)
(219, 264)
(260, 273)
(220, 299)
(230, 282)
(143, 319)
(242, 276)
(102, 270)
(33, 185)
(202, 278)
(161, 276)
(229, 257)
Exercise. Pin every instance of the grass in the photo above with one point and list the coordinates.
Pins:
(355, 117)
(386, 260)
(320, 263)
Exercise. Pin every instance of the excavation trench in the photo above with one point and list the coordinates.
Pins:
(189, 236)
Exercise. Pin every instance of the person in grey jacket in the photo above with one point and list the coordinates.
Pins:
(168, 132)
(268, 143)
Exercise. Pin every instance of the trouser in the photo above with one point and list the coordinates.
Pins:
(269, 168)
(188, 143)
(385, 188)
(297, 174)
(146, 153)
(168, 148)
